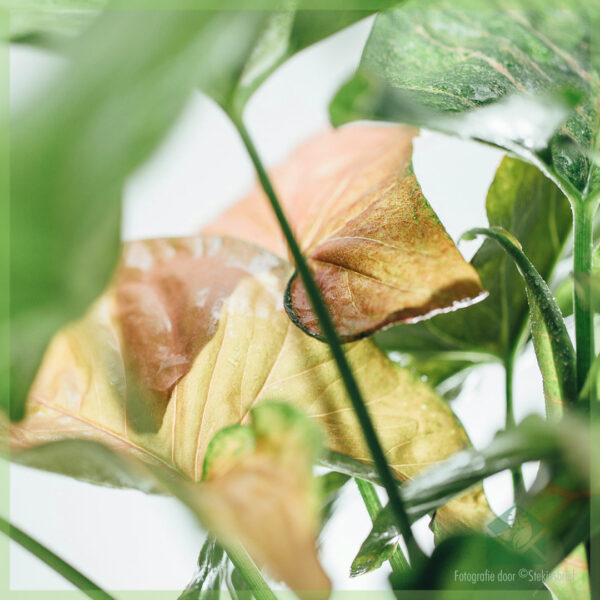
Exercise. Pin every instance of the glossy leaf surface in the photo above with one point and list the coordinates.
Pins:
(520, 78)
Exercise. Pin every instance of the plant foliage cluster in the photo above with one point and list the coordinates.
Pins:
(222, 367)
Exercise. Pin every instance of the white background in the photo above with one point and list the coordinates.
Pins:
(128, 540)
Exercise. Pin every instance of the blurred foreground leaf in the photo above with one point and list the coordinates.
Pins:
(257, 488)
(33, 21)
(571, 579)
(125, 83)
(477, 562)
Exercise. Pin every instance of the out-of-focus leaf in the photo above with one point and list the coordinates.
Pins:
(331, 485)
(287, 31)
(211, 571)
(564, 296)
(251, 352)
(502, 75)
(32, 20)
(532, 208)
(287, 28)
(89, 462)
(570, 579)
(376, 248)
(73, 146)
(477, 562)
(564, 292)
(259, 490)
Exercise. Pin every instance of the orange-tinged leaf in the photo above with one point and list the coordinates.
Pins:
(249, 352)
(259, 490)
(375, 246)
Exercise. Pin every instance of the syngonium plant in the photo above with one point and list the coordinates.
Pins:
(223, 366)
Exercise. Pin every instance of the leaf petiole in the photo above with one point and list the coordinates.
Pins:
(329, 332)
(71, 574)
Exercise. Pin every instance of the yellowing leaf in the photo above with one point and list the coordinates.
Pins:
(258, 494)
(376, 248)
(250, 352)
(259, 490)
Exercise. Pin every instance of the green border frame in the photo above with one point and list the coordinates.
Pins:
(176, 5)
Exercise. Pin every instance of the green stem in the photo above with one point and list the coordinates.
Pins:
(583, 219)
(245, 565)
(330, 334)
(71, 574)
(582, 298)
(517, 475)
(400, 566)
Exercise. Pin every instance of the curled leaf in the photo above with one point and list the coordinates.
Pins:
(259, 491)
(528, 205)
(376, 248)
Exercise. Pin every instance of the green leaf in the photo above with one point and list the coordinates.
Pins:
(210, 573)
(571, 579)
(553, 346)
(73, 147)
(331, 485)
(89, 462)
(564, 291)
(33, 21)
(532, 209)
(477, 562)
(521, 79)
(379, 547)
(238, 587)
(372, 556)
(285, 33)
